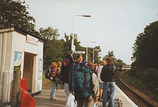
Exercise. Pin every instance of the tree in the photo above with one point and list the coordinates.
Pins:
(110, 54)
(53, 48)
(119, 63)
(145, 48)
(13, 13)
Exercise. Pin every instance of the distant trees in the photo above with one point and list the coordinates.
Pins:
(14, 13)
(53, 48)
(145, 48)
(117, 62)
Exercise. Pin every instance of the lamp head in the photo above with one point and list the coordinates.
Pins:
(86, 15)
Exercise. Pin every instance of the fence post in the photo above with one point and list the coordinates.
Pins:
(16, 88)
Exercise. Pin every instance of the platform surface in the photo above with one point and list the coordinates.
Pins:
(43, 99)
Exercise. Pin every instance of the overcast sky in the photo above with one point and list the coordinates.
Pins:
(113, 25)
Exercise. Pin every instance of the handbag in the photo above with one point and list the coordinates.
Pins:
(71, 102)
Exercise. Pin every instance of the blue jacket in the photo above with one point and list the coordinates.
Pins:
(72, 69)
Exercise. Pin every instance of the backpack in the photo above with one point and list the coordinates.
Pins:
(47, 73)
(63, 76)
(83, 85)
(51, 72)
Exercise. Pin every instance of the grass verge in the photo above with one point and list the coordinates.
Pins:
(139, 85)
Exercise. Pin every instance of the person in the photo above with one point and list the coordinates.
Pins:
(108, 77)
(95, 82)
(57, 80)
(73, 69)
(103, 63)
(66, 74)
(96, 68)
(53, 72)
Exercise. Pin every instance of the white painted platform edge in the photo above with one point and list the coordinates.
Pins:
(128, 99)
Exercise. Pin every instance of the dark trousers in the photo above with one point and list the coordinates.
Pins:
(86, 101)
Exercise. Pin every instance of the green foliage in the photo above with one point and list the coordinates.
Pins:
(56, 50)
(53, 48)
(14, 13)
(145, 56)
(147, 77)
(146, 48)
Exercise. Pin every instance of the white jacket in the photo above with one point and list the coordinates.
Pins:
(96, 86)
(99, 72)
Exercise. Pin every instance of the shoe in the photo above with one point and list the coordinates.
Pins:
(101, 100)
(55, 98)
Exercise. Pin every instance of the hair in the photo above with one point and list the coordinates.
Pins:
(91, 65)
(79, 55)
(59, 64)
(103, 63)
(109, 61)
(54, 63)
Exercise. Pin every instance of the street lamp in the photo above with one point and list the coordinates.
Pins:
(72, 42)
(87, 51)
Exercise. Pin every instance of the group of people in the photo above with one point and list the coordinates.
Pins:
(101, 81)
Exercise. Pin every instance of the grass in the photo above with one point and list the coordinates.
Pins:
(47, 84)
(139, 85)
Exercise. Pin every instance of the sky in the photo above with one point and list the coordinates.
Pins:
(113, 25)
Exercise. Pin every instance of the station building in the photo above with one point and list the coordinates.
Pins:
(22, 51)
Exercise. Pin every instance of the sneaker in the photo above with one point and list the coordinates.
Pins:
(55, 98)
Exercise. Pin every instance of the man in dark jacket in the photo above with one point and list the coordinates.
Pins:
(108, 77)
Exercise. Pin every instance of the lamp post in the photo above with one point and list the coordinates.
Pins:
(87, 52)
(72, 42)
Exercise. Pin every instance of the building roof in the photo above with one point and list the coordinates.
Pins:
(13, 28)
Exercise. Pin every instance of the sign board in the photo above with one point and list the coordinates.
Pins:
(40, 69)
(79, 52)
(32, 40)
(17, 61)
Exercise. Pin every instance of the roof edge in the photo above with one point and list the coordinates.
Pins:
(19, 30)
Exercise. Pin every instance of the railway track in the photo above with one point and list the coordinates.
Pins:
(134, 96)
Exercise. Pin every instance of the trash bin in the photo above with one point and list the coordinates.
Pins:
(23, 83)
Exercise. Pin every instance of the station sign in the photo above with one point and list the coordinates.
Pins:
(79, 52)
(32, 40)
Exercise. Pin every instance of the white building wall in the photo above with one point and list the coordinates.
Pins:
(40, 56)
(19, 46)
(5, 63)
(11, 41)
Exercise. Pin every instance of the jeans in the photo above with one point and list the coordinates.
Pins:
(52, 93)
(107, 85)
(67, 91)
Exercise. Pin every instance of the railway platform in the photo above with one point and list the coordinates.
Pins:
(43, 99)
